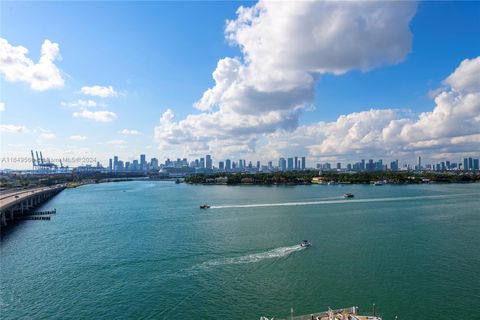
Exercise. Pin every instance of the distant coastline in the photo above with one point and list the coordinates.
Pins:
(313, 177)
(308, 177)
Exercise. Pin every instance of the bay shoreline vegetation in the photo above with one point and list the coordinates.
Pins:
(313, 177)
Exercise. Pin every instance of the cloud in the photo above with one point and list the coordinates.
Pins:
(2, 106)
(44, 134)
(100, 116)
(466, 77)
(117, 142)
(79, 103)
(47, 136)
(451, 128)
(129, 132)
(78, 138)
(99, 91)
(16, 66)
(12, 128)
(286, 47)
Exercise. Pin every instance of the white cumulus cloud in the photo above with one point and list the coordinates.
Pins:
(47, 136)
(100, 116)
(286, 47)
(16, 66)
(117, 142)
(451, 128)
(2, 106)
(99, 91)
(12, 128)
(466, 76)
(130, 132)
(79, 103)
(78, 138)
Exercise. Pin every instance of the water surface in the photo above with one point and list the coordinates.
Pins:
(144, 250)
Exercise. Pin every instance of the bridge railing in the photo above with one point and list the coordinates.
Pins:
(35, 190)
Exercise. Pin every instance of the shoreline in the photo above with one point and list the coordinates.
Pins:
(333, 178)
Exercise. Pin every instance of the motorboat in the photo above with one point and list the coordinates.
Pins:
(305, 244)
(204, 206)
(348, 195)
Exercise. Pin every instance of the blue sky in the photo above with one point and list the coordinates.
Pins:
(160, 56)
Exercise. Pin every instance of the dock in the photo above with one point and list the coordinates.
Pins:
(350, 313)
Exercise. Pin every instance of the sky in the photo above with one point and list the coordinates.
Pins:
(333, 81)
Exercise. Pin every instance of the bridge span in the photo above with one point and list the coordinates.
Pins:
(21, 202)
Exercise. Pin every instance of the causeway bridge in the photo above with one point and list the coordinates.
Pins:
(20, 202)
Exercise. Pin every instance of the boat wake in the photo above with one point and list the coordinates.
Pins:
(339, 201)
(251, 258)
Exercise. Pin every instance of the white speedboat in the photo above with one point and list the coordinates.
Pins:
(305, 243)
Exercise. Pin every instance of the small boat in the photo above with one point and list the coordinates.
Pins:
(178, 181)
(305, 244)
(204, 206)
(348, 195)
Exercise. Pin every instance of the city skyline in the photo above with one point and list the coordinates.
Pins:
(215, 95)
(207, 165)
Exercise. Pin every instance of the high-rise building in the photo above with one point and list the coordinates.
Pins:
(115, 163)
(143, 162)
(470, 163)
(208, 161)
(296, 163)
(394, 165)
(339, 166)
(282, 164)
(370, 166)
(221, 165)
(303, 163)
(154, 163)
(202, 163)
(362, 166)
(476, 164)
(228, 165)
(135, 166)
(258, 165)
(270, 165)
(419, 164)
(120, 165)
(110, 165)
(290, 164)
(465, 164)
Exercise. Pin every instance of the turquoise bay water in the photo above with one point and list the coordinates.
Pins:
(144, 250)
